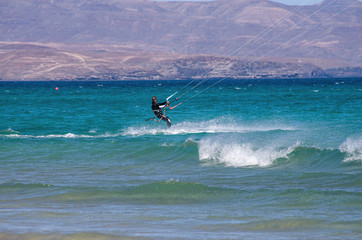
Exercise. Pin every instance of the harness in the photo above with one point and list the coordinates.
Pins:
(158, 113)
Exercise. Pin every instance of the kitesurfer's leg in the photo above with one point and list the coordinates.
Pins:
(167, 120)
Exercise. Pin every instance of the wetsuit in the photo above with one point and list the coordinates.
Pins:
(156, 107)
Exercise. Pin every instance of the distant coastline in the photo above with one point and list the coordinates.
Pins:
(38, 61)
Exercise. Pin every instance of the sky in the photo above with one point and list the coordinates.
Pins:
(289, 2)
(299, 2)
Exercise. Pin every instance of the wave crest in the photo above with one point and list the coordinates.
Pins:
(233, 153)
(240, 154)
(353, 149)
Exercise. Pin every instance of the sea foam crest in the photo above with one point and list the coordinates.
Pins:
(67, 135)
(234, 154)
(220, 125)
(353, 149)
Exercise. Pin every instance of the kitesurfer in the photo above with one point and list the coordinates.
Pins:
(157, 110)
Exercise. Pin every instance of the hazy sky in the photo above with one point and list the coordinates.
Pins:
(290, 2)
(298, 2)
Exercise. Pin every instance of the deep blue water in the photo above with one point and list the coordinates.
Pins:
(252, 159)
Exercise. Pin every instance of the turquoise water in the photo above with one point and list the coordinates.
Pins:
(253, 159)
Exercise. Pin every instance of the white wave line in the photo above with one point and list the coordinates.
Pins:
(68, 135)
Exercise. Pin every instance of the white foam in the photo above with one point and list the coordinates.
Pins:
(220, 125)
(235, 154)
(353, 149)
(68, 135)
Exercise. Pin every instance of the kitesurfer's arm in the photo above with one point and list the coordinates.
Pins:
(175, 105)
(162, 105)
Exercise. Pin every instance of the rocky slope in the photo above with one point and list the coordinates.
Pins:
(26, 61)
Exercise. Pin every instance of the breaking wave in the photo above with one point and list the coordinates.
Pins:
(353, 149)
(231, 153)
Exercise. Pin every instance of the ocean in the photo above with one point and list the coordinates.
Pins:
(244, 159)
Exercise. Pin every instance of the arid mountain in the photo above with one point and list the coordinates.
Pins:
(102, 32)
(55, 61)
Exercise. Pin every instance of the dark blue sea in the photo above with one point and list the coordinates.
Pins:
(244, 159)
